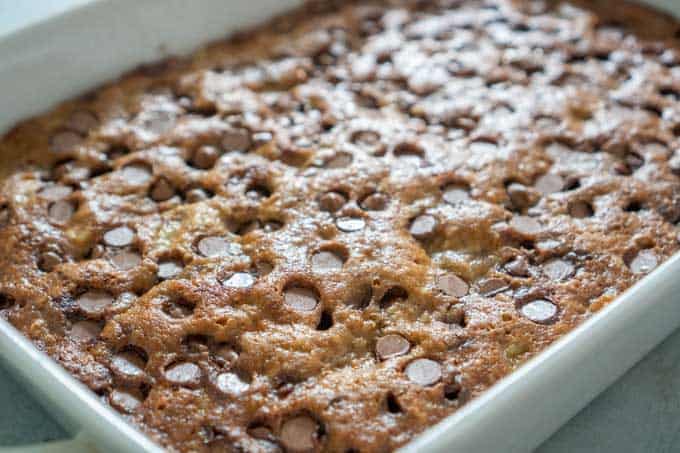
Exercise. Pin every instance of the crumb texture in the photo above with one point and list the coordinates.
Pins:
(332, 231)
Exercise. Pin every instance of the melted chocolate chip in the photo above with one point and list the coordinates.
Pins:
(230, 384)
(214, 246)
(119, 237)
(540, 311)
(340, 160)
(183, 373)
(375, 202)
(60, 211)
(300, 299)
(526, 226)
(125, 401)
(126, 260)
(128, 364)
(424, 372)
(85, 331)
(644, 262)
(332, 201)
(169, 269)
(136, 174)
(350, 224)
(549, 183)
(454, 194)
(205, 157)
(94, 302)
(236, 140)
(492, 286)
(240, 280)
(452, 285)
(162, 190)
(300, 434)
(558, 269)
(518, 267)
(423, 227)
(391, 345)
(326, 261)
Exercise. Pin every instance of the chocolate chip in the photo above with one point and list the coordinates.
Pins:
(526, 226)
(340, 160)
(368, 140)
(492, 286)
(49, 261)
(452, 285)
(64, 141)
(391, 345)
(119, 237)
(549, 183)
(580, 209)
(518, 267)
(300, 434)
(136, 174)
(94, 302)
(196, 195)
(162, 190)
(422, 227)
(454, 194)
(55, 192)
(230, 384)
(325, 261)
(300, 298)
(128, 364)
(178, 308)
(332, 201)
(236, 140)
(350, 224)
(214, 246)
(85, 331)
(82, 121)
(644, 262)
(375, 202)
(60, 211)
(205, 157)
(183, 373)
(240, 280)
(169, 269)
(540, 311)
(521, 196)
(125, 401)
(126, 260)
(424, 372)
(558, 269)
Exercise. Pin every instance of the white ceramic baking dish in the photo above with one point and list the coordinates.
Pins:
(67, 54)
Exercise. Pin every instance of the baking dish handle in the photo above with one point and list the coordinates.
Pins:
(78, 444)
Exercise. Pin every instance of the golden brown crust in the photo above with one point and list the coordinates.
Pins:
(332, 231)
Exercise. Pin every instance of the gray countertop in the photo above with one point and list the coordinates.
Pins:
(639, 413)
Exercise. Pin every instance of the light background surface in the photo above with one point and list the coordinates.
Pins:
(639, 413)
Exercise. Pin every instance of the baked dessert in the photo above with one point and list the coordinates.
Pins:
(332, 231)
